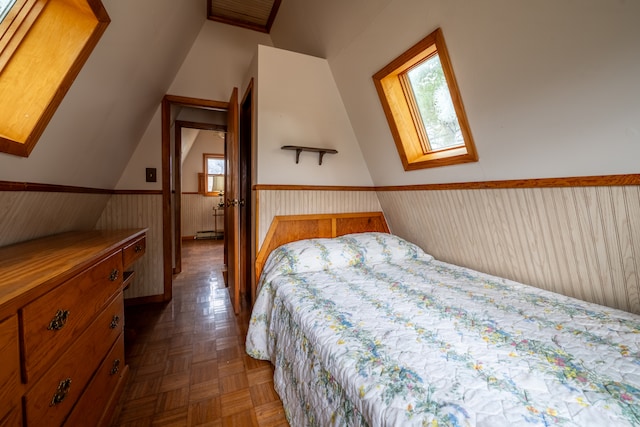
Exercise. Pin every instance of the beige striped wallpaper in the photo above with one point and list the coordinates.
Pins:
(198, 214)
(139, 211)
(26, 215)
(578, 241)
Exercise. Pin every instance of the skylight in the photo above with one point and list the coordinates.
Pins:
(5, 7)
(43, 45)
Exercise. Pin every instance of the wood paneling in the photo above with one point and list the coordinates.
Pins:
(574, 181)
(578, 241)
(139, 211)
(301, 202)
(256, 15)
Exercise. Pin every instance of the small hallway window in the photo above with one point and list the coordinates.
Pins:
(214, 174)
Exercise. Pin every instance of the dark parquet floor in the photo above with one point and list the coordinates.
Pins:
(187, 361)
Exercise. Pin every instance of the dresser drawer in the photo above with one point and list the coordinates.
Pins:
(90, 408)
(49, 401)
(51, 322)
(9, 369)
(133, 251)
(12, 419)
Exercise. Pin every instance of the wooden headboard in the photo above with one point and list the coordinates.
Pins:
(289, 228)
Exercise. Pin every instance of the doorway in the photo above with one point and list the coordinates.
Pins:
(172, 106)
(199, 147)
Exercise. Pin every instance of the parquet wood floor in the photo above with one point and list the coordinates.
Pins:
(187, 361)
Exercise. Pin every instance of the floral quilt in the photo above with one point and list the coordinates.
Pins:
(367, 329)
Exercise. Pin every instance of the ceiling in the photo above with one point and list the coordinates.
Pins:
(256, 15)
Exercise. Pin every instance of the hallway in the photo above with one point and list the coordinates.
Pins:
(187, 361)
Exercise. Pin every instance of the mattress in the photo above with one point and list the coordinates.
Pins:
(368, 329)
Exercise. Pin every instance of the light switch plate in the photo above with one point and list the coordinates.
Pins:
(151, 174)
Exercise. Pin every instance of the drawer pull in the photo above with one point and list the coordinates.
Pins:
(59, 320)
(115, 368)
(114, 322)
(61, 392)
(114, 275)
(137, 249)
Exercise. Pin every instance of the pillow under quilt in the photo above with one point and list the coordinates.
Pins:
(349, 250)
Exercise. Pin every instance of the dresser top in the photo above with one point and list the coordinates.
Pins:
(29, 269)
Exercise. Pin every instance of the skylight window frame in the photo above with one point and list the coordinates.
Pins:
(401, 109)
(64, 32)
(6, 13)
(15, 26)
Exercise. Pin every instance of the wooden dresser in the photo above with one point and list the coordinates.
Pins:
(61, 326)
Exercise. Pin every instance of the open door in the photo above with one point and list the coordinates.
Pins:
(232, 206)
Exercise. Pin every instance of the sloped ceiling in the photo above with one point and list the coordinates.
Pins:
(319, 28)
(323, 28)
(99, 123)
(253, 14)
(103, 116)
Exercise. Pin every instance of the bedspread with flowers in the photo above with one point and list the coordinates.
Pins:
(367, 329)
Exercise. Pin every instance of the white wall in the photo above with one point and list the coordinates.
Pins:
(550, 87)
(217, 62)
(207, 142)
(298, 103)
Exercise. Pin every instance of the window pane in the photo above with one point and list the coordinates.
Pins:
(5, 7)
(215, 166)
(434, 103)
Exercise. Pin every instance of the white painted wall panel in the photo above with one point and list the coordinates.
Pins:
(299, 104)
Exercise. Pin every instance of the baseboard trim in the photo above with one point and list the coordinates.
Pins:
(150, 299)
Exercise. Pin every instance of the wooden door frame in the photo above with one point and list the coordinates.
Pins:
(169, 101)
(247, 178)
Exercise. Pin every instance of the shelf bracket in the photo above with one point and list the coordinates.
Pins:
(299, 149)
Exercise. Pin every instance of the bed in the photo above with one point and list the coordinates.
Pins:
(366, 328)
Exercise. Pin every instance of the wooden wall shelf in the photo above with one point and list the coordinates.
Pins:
(298, 149)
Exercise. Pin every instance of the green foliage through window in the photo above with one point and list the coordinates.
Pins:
(434, 104)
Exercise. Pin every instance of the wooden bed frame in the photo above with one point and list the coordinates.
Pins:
(289, 228)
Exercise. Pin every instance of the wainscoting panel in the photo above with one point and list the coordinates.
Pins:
(299, 202)
(139, 211)
(579, 241)
(197, 214)
(26, 215)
